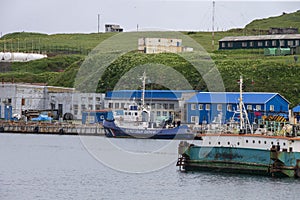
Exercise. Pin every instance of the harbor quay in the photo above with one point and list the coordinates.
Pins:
(51, 128)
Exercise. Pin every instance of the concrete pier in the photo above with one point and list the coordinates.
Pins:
(51, 128)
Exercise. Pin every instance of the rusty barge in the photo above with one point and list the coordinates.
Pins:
(242, 153)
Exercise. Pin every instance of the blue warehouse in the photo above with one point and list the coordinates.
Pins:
(204, 107)
(164, 104)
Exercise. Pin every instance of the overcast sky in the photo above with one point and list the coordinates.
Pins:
(69, 16)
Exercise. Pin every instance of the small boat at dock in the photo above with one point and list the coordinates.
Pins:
(136, 122)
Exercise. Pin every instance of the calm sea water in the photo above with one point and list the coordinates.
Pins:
(64, 167)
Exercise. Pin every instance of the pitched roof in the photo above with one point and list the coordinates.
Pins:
(149, 94)
(260, 37)
(296, 109)
(232, 97)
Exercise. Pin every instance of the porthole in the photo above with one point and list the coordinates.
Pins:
(277, 143)
(265, 142)
(238, 143)
(246, 141)
(209, 142)
(228, 143)
(284, 144)
(253, 141)
(258, 141)
(219, 143)
(272, 143)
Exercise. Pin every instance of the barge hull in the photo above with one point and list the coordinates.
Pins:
(240, 160)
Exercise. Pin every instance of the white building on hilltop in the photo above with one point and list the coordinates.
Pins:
(161, 45)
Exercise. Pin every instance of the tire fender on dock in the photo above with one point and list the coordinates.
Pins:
(36, 129)
(61, 131)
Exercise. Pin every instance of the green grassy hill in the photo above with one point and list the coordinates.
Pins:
(66, 52)
(283, 21)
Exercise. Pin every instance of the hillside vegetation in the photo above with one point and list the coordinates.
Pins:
(286, 20)
(66, 53)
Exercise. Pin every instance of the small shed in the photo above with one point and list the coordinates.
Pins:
(283, 51)
(270, 51)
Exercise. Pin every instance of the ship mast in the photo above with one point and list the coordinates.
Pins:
(242, 123)
(144, 87)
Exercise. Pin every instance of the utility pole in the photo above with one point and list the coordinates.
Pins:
(213, 27)
(98, 23)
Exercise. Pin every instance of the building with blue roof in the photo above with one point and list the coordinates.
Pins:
(296, 111)
(206, 106)
(163, 103)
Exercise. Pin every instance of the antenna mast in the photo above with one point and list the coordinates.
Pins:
(213, 27)
(98, 23)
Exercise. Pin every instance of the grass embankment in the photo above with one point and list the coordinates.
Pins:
(285, 20)
(270, 74)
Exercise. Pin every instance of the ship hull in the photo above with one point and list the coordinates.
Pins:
(274, 161)
(181, 132)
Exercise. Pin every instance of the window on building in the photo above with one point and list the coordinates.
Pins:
(83, 107)
(90, 107)
(266, 43)
(83, 99)
(272, 108)
(152, 105)
(219, 107)
(223, 44)
(193, 119)
(171, 106)
(193, 106)
(110, 105)
(249, 107)
(117, 105)
(90, 99)
(23, 102)
(52, 105)
(165, 105)
(274, 43)
(244, 44)
(159, 106)
(200, 106)
(260, 44)
(207, 107)
(98, 99)
(281, 42)
(230, 44)
(158, 113)
(165, 113)
(229, 107)
(297, 42)
(290, 43)
(258, 107)
(251, 44)
(122, 105)
(98, 107)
